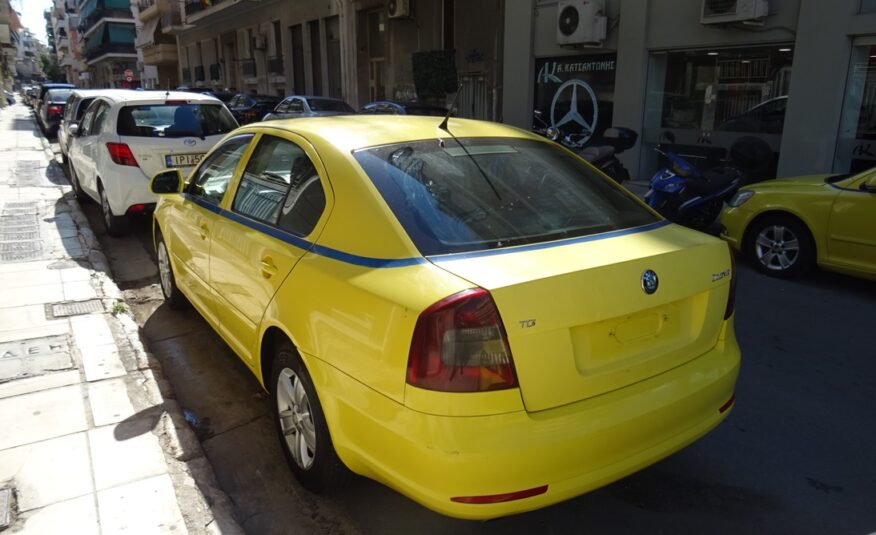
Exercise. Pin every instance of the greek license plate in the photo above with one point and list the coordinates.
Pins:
(182, 160)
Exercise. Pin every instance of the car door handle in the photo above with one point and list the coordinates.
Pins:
(204, 231)
(269, 269)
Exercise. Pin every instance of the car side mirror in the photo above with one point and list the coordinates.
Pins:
(167, 182)
(869, 185)
(73, 129)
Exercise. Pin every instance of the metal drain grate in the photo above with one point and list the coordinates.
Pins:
(75, 308)
(20, 232)
(15, 235)
(5, 508)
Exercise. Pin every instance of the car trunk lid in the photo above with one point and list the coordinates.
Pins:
(158, 154)
(579, 322)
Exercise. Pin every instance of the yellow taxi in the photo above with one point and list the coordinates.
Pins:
(787, 226)
(469, 314)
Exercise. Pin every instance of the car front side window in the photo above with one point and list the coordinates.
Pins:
(211, 179)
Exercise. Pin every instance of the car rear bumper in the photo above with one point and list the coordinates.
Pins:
(572, 449)
(126, 186)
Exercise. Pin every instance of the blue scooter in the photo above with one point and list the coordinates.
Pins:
(683, 193)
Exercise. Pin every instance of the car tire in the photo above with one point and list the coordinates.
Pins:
(81, 196)
(116, 226)
(780, 246)
(166, 278)
(301, 424)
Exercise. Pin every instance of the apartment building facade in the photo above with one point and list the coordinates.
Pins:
(106, 33)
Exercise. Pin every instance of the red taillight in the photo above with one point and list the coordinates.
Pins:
(121, 154)
(252, 114)
(137, 208)
(731, 297)
(176, 102)
(460, 345)
(498, 498)
(54, 110)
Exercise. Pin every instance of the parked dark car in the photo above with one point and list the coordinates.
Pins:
(303, 106)
(51, 110)
(224, 96)
(40, 93)
(248, 108)
(30, 95)
(394, 107)
(768, 117)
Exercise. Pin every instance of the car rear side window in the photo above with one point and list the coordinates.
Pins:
(175, 120)
(211, 179)
(520, 191)
(280, 186)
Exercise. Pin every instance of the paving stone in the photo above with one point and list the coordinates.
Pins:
(147, 506)
(109, 401)
(91, 330)
(36, 384)
(79, 291)
(29, 316)
(122, 459)
(26, 266)
(77, 516)
(48, 471)
(31, 295)
(24, 279)
(101, 362)
(19, 368)
(75, 274)
(50, 328)
(41, 415)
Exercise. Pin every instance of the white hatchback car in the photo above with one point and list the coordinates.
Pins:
(125, 137)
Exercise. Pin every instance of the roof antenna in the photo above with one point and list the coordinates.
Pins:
(443, 126)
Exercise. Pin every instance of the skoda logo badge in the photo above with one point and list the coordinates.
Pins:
(189, 142)
(649, 281)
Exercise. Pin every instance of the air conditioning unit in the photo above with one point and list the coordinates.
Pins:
(259, 42)
(398, 9)
(730, 11)
(581, 23)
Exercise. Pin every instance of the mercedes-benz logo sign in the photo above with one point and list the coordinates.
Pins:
(573, 116)
(650, 281)
(189, 142)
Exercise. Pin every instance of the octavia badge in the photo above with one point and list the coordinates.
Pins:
(649, 281)
(190, 142)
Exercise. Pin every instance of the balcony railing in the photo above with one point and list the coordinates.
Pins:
(199, 73)
(275, 65)
(145, 4)
(109, 48)
(101, 13)
(249, 67)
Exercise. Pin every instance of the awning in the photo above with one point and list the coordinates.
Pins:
(146, 37)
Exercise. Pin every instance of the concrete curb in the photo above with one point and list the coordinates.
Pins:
(204, 506)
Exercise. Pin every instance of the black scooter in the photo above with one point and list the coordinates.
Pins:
(602, 153)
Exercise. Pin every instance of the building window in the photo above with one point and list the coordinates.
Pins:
(708, 99)
(856, 146)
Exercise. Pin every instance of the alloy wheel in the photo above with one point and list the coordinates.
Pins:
(777, 247)
(296, 419)
(164, 270)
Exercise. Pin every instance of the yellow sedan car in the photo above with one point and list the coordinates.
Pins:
(787, 226)
(473, 316)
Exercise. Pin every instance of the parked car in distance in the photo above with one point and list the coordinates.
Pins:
(51, 110)
(395, 107)
(40, 93)
(296, 106)
(768, 117)
(77, 103)
(483, 322)
(788, 225)
(29, 95)
(125, 137)
(248, 108)
(224, 96)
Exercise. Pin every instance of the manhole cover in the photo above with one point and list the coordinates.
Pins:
(62, 310)
(19, 235)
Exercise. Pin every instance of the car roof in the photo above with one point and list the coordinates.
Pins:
(350, 132)
(152, 97)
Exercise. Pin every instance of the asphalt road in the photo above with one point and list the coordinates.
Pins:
(796, 455)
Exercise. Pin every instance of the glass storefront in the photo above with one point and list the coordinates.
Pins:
(856, 146)
(706, 99)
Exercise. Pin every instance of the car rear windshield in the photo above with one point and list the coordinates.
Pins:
(58, 95)
(175, 120)
(528, 192)
(324, 104)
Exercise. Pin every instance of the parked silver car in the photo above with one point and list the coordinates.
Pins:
(303, 106)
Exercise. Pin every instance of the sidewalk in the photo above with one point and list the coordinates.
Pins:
(91, 440)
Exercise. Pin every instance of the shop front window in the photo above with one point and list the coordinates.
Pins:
(706, 100)
(856, 147)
